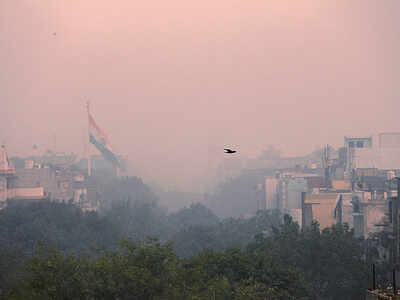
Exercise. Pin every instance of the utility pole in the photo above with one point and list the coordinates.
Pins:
(395, 220)
(373, 277)
(327, 165)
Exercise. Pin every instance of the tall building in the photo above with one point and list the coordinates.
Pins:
(356, 147)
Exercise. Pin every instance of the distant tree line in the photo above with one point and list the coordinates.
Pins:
(56, 251)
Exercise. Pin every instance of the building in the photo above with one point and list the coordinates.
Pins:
(289, 190)
(344, 210)
(349, 210)
(361, 154)
(319, 207)
(7, 171)
(55, 181)
(389, 140)
(341, 185)
(293, 189)
(354, 147)
(389, 150)
(315, 183)
(10, 193)
(271, 193)
(374, 212)
(38, 182)
(363, 211)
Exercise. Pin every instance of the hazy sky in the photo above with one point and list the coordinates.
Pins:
(172, 82)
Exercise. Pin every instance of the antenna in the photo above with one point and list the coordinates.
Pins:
(326, 164)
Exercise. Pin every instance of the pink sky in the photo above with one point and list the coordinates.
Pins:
(172, 81)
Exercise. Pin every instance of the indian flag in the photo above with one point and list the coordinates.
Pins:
(99, 139)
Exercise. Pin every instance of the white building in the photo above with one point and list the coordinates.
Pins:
(363, 154)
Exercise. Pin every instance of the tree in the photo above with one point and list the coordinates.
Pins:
(332, 261)
(139, 271)
(195, 214)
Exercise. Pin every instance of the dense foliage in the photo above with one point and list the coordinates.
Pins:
(57, 224)
(332, 261)
(56, 251)
(150, 270)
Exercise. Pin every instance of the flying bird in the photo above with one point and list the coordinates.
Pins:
(230, 151)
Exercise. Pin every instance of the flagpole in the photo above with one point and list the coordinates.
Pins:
(89, 165)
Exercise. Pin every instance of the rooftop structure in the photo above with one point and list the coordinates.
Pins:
(362, 153)
(352, 144)
(6, 166)
(320, 207)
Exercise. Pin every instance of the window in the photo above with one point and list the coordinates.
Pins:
(351, 144)
(360, 144)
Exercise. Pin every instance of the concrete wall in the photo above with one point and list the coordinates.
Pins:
(307, 216)
(323, 213)
(37, 192)
(389, 140)
(358, 220)
(322, 208)
(374, 212)
(271, 193)
(57, 184)
(347, 209)
(389, 158)
(366, 158)
(294, 188)
(29, 178)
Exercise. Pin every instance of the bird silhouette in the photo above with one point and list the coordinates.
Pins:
(230, 151)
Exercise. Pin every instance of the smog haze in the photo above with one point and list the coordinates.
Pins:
(174, 82)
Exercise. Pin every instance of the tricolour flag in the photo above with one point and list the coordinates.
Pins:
(99, 139)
